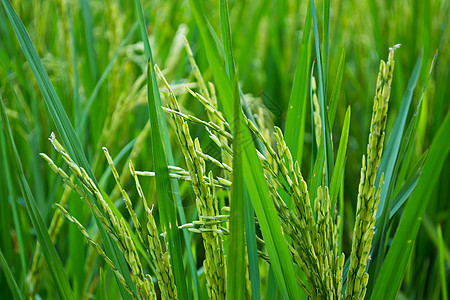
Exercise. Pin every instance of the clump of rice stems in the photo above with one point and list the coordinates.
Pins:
(357, 277)
(311, 225)
(164, 272)
(209, 100)
(215, 267)
(315, 246)
(315, 236)
(117, 228)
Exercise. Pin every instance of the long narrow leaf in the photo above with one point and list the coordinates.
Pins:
(165, 187)
(296, 113)
(403, 196)
(393, 145)
(65, 129)
(10, 278)
(391, 274)
(163, 184)
(236, 248)
(253, 174)
(5, 213)
(442, 265)
(326, 137)
(226, 39)
(326, 42)
(252, 248)
(47, 247)
(332, 106)
(12, 195)
(340, 159)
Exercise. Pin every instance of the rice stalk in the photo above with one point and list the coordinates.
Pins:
(164, 272)
(181, 174)
(215, 267)
(367, 201)
(209, 100)
(116, 228)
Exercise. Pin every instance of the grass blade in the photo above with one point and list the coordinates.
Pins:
(236, 247)
(389, 165)
(326, 42)
(252, 249)
(332, 106)
(12, 195)
(296, 113)
(403, 196)
(253, 174)
(326, 138)
(431, 230)
(226, 38)
(393, 145)
(47, 247)
(391, 273)
(340, 159)
(5, 242)
(10, 278)
(442, 264)
(65, 129)
(243, 212)
(162, 156)
(163, 185)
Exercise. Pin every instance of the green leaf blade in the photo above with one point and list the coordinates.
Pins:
(393, 268)
(236, 248)
(253, 173)
(48, 249)
(65, 129)
(340, 159)
(296, 113)
(10, 278)
(326, 137)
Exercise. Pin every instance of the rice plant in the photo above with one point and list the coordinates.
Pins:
(155, 168)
